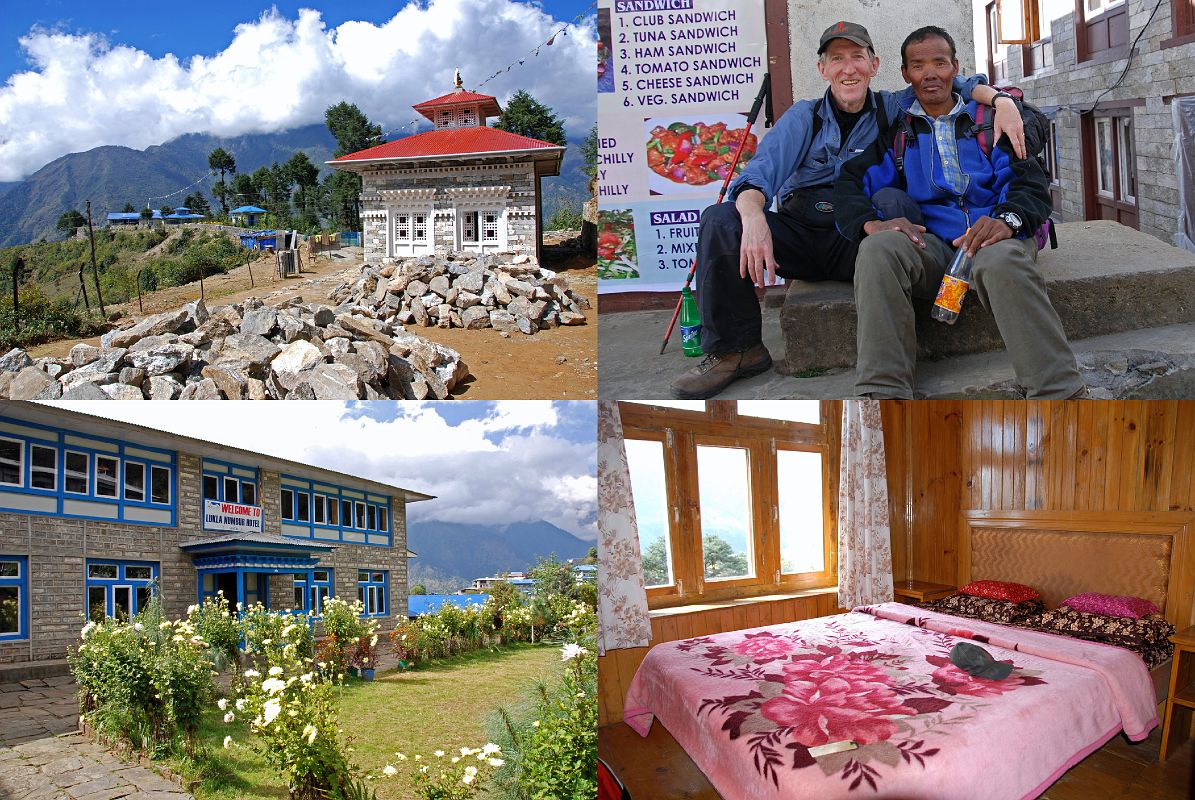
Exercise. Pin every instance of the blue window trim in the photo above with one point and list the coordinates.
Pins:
(221, 476)
(22, 584)
(297, 486)
(121, 579)
(383, 586)
(308, 582)
(55, 438)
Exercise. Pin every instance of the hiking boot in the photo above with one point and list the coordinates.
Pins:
(715, 373)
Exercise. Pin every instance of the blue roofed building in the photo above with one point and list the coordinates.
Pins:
(431, 603)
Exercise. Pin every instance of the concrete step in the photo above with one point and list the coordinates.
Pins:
(32, 670)
(1103, 278)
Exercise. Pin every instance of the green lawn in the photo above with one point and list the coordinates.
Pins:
(443, 706)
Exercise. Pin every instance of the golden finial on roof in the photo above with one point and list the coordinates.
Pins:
(457, 78)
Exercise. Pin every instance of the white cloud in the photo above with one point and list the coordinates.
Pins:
(507, 464)
(278, 73)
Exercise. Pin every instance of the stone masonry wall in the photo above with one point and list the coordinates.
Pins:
(1155, 76)
(521, 223)
(57, 549)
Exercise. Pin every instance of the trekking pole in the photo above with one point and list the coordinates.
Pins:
(765, 88)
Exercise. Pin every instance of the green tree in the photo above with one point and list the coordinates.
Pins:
(553, 576)
(591, 556)
(353, 131)
(527, 116)
(566, 217)
(128, 209)
(721, 561)
(147, 214)
(306, 176)
(220, 159)
(244, 192)
(589, 152)
(418, 588)
(655, 563)
(69, 221)
(505, 595)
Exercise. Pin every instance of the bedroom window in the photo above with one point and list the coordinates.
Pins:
(733, 499)
(649, 488)
(724, 492)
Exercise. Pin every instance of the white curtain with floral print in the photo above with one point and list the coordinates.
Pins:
(622, 598)
(864, 533)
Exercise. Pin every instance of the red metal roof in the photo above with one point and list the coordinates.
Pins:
(489, 104)
(448, 142)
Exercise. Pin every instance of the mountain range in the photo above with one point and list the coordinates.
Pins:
(452, 554)
(111, 176)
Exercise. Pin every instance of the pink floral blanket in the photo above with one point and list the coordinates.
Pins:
(747, 706)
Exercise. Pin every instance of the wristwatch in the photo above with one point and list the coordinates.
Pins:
(998, 95)
(1012, 220)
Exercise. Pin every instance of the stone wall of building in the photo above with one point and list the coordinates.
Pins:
(1155, 75)
(382, 188)
(57, 549)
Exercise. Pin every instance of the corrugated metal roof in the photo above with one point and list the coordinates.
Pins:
(449, 141)
(428, 603)
(124, 215)
(256, 538)
(489, 103)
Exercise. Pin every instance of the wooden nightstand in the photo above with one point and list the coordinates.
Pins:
(1180, 703)
(920, 591)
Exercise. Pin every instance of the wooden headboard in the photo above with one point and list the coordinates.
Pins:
(1150, 555)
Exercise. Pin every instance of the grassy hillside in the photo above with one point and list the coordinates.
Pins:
(49, 296)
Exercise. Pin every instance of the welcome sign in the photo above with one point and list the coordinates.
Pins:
(219, 516)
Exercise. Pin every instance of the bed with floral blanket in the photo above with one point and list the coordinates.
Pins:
(748, 705)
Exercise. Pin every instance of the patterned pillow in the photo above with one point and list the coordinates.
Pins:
(1121, 631)
(1111, 605)
(986, 609)
(1001, 590)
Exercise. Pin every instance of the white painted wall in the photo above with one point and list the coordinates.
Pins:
(888, 22)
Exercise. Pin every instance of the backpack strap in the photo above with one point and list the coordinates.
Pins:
(817, 118)
(903, 133)
(983, 129)
(881, 113)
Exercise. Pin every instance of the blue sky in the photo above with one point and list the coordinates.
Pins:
(75, 75)
(486, 462)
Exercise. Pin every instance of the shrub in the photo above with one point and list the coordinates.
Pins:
(290, 708)
(218, 627)
(42, 319)
(554, 752)
(263, 631)
(344, 626)
(146, 681)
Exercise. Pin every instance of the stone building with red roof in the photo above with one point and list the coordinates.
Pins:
(460, 186)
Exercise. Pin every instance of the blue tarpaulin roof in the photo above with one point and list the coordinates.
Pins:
(248, 210)
(124, 215)
(429, 603)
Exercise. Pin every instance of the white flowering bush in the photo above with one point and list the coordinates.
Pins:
(577, 621)
(343, 629)
(290, 708)
(264, 631)
(449, 775)
(448, 631)
(213, 620)
(146, 681)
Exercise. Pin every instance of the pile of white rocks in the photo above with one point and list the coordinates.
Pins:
(504, 291)
(249, 350)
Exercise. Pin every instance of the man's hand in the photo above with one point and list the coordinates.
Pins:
(1007, 120)
(984, 231)
(901, 224)
(756, 260)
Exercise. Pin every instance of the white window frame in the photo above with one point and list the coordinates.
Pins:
(319, 514)
(230, 480)
(1125, 151)
(1108, 192)
(67, 474)
(383, 519)
(53, 472)
(287, 510)
(20, 461)
(403, 218)
(116, 478)
(470, 218)
(359, 515)
(333, 511)
(144, 475)
(169, 485)
(485, 226)
(1093, 8)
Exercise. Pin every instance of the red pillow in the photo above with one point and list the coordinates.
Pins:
(1001, 590)
(1111, 605)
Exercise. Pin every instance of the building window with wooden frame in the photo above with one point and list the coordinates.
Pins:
(731, 501)
(1111, 166)
(1182, 15)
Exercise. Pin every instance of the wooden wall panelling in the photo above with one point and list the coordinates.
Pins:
(1184, 459)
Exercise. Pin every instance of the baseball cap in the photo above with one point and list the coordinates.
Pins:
(845, 30)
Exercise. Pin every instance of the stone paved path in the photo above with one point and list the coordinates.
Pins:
(43, 758)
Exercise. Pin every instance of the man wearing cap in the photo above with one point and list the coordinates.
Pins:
(741, 245)
(989, 203)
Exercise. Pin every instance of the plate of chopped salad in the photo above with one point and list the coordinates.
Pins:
(616, 253)
(693, 155)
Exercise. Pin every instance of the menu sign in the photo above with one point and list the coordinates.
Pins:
(676, 79)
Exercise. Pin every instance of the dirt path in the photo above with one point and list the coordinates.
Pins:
(558, 363)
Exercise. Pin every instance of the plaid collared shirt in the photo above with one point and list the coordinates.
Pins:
(947, 144)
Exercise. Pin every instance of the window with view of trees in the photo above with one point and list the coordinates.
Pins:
(730, 501)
